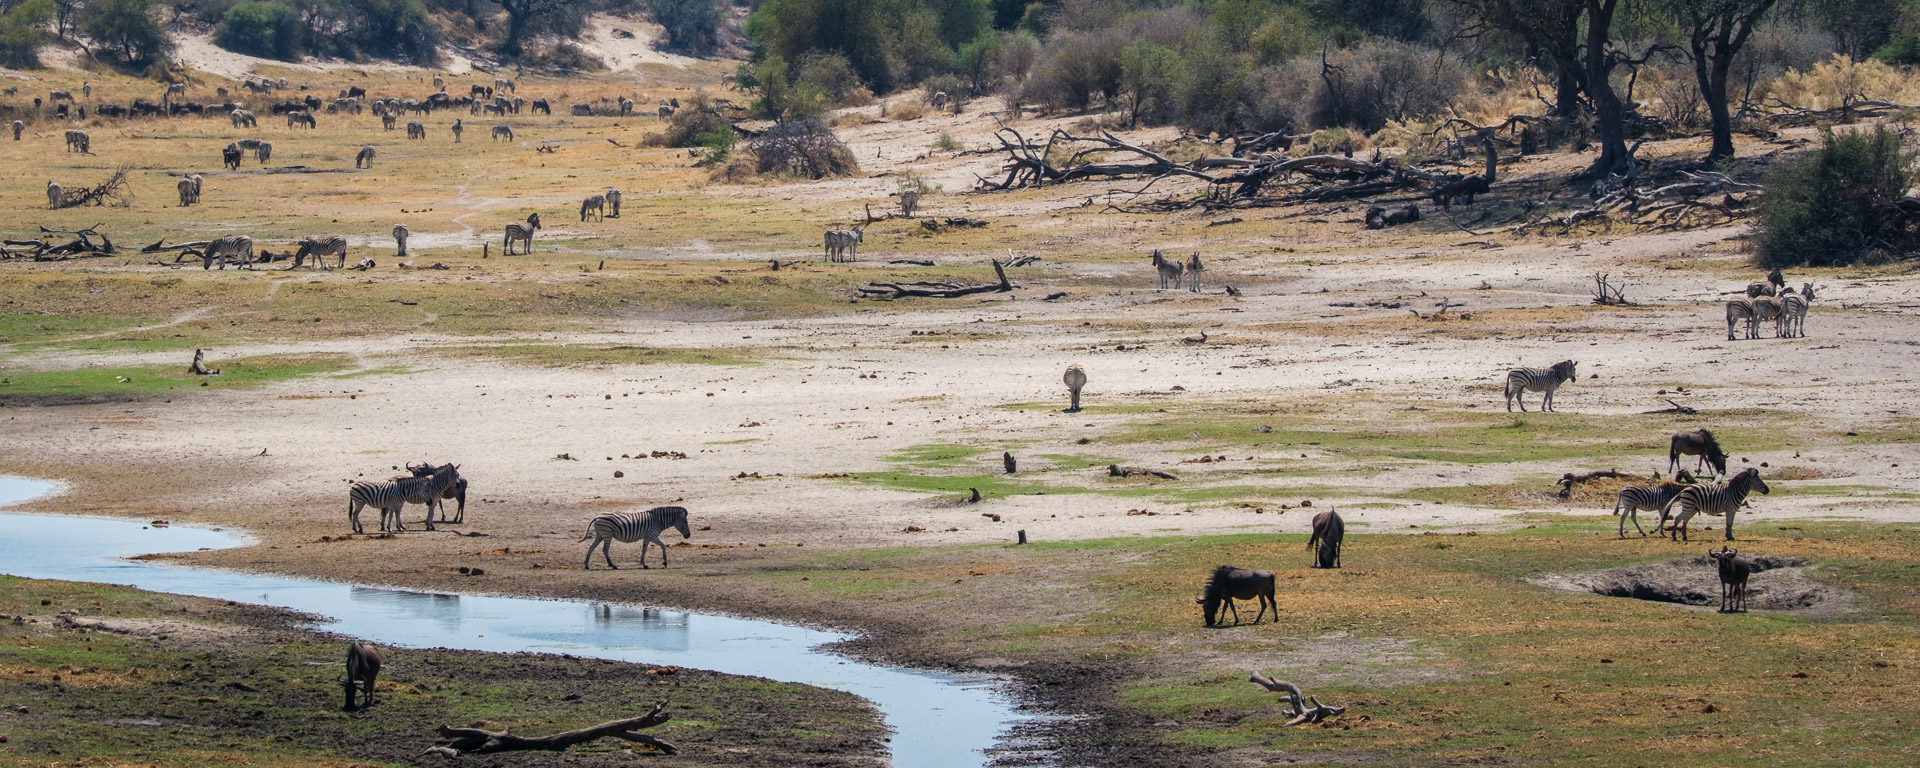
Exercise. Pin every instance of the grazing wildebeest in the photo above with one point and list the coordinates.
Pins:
(1229, 584)
(1699, 443)
(1328, 532)
(1734, 570)
(363, 665)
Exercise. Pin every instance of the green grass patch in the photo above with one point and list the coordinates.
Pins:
(150, 380)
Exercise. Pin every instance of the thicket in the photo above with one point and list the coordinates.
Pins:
(1838, 204)
(23, 29)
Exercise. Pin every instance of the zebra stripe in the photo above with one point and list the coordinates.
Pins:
(613, 203)
(628, 527)
(1635, 499)
(502, 132)
(319, 247)
(1793, 310)
(1765, 309)
(1739, 310)
(1170, 270)
(522, 233)
(1719, 499)
(387, 497)
(228, 249)
(1523, 380)
(596, 204)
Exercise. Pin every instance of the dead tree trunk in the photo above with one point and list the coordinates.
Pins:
(476, 741)
(1303, 710)
(936, 290)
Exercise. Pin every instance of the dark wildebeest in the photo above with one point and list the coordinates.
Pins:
(1328, 531)
(1699, 443)
(1229, 584)
(1734, 570)
(457, 491)
(363, 665)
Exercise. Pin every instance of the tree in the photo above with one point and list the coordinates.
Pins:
(692, 26)
(266, 29)
(1609, 115)
(1716, 30)
(1149, 76)
(1550, 30)
(519, 13)
(23, 29)
(127, 29)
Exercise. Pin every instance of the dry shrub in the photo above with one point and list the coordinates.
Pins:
(1840, 81)
(1336, 141)
(1673, 96)
(562, 56)
(910, 108)
(1415, 140)
(1376, 82)
(740, 169)
(803, 148)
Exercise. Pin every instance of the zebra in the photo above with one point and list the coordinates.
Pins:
(844, 244)
(226, 249)
(86, 90)
(387, 121)
(78, 141)
(439, 83)
(1720, 499)
(502, 132)
(626, 106)
(666, 110)
(909, 202)
(1520, 381)
(17, 128)
(186, 192)
(1739, 310)
(317, 247)
(502, 84)
(1170, 271)
(629, 527)
(415, 130)
(400, 239)
(1765, 309)
(243, 119)
(458, 128)
(365, 158)
(613, 203)
(432, 488)
(1194, 269)
(301, 118)
(597, 204)
(522, 233)
(457, 491)
(1635, 499)
(388, 497)
(1793, 310)
(59, 96)
(53, 195)
(581, 110)
(264, 152)
(197, 182)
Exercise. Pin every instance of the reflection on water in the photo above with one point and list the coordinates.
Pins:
(939, 720)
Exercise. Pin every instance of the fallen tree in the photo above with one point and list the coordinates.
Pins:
(1305, 709)
(82, 245)
(477, 741)
(935, 290)
(114, 190)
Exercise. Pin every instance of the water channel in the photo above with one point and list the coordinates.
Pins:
(939, 720)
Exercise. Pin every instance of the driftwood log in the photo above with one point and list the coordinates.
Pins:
(1569, 480)
(1303, 709)
(943, 290)
(476, 741)
(111, 190)
(85, 243)
(1115, 470)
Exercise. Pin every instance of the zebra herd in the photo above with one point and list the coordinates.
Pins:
(428, 484)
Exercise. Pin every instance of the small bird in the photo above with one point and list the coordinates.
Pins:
(1232, 291)
(1201, 339)
(263, 451)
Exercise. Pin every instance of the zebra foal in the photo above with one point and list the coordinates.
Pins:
(628, 527)
(1520, 381)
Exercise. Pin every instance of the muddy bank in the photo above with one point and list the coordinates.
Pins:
(1777, 583)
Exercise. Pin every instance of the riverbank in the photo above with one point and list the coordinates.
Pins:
(165, 680)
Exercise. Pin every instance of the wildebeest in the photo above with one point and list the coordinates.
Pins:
(230, 156)
(1734, 570)
(363, 666)
(1328, 532)
(1229, 584)
(1699, 443)
(456, 492)
(540, 106)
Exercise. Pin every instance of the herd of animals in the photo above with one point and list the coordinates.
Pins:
(500, 99)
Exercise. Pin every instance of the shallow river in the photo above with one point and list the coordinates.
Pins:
(938, 719)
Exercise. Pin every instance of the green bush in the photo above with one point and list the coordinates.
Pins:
(719, 142)
(125, 31)
(691, 124)
(266, 29)
(23, 29)
(1835, 205)
(1903, 49)
(693, 26)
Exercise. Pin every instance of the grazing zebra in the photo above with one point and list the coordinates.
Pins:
(1170, 271)
(458, 128)
(626, 106)
(415, 130)
(502, 132)
(540, 106)
(1739, 310)
(17, 128)
(400, 239)
(628, 527)
(53, 195)
(78, 141)
(502, 84)
(522, 233)
(1520, 381)
(186, 192)
(613, 203)
(227, 249)
(1194, 269)
(264, 152)
(582, 110)
(365, 158)
(59, 96)
(939, 100)
(1721, 499)
(1766, 309)
(243, 119)
(316, 247)
(387, 121)
(1635, 499)
(1793, 310)
(909, 202)
(597, 204)
(300, 118)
